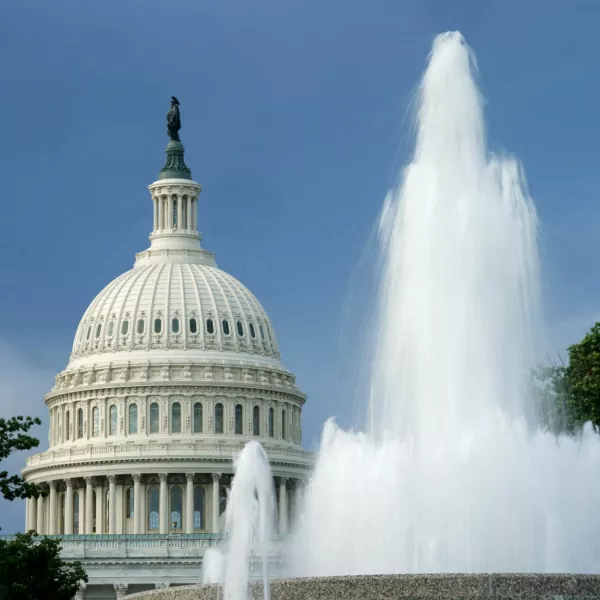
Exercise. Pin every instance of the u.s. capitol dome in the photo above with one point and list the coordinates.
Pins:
(174, 367)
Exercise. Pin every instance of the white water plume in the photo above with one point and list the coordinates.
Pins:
(453, 476)
(249, 520)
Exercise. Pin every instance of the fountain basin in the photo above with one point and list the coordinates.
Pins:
(388, 587)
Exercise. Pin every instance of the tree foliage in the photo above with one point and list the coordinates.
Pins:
(31, 568)
(570, 394)
(13, 436)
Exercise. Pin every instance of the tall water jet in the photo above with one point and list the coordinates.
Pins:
(249, 520)
(453, 476)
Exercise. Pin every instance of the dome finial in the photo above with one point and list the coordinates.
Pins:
(175, 167)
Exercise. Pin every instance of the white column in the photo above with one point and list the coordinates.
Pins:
(99, 509)
(89, 506)
(69, 507)
(195, 213)
(155, 202)
(120, 509)
(112, 504)
(179, 211)
(189, 502)
(52, 515)
(80, 593)
(283, 509)
(40, 516)
(31, 520)
(137, 517)
(169, 212)
(81, 507)
(188, 223)
(164, 504)
(215, 501)
(120, 589)
(26, 515)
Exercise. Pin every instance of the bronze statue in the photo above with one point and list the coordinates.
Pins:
(174, 120)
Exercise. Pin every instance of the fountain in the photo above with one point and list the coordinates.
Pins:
(453, 475)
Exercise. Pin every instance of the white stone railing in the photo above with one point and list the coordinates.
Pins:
(123, 452)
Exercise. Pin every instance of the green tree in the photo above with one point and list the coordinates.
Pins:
(13, 436)
(31, 569)
(583, 379)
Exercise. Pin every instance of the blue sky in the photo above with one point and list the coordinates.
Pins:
(296, 122)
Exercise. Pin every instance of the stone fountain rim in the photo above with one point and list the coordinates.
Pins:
(389, 586)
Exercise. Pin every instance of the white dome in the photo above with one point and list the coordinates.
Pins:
(175, 306)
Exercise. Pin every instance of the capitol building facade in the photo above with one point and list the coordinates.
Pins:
(174, 367)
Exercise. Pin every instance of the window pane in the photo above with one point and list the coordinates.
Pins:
(219, 418)
(124, 327)
(256, 420)
(111, 328)
(210, 328)
(140, 326)
(133, 418)
(199, 507)
(89, 332)
(225, 327)
(283, 424)
(95, 421)
(198, 417)
(271, 422)
(193, 326)
(154, 418)
(262, 332)
(113, 420)
(238, 418)
(252, 331)
(129, 503)
(76, 513)
(80, 422)
(175, 325)
(174, 213)
(240, 329)
(176, 507)
(153, 517)
(98, 329)
(157, 325)
(176, 418)
(67, 425)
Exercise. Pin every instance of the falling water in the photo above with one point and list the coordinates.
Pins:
(453, 476)
(249, 520)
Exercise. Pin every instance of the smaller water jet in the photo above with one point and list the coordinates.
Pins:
(249, 520)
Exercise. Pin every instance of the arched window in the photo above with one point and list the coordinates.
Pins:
(252, 331)
(98, 329)
(210, 327)
(175, 325)
(193, 326)
(176, 507)
(239, 422)
(174, 213)
(95, 421)
(67, 425)
(240, 329)
(153, 516)
(262, 332)
(76, 512)
(225, 324)
(176, 417)
(89, 332)
(157, 325)
(256, 420)
(218, 418)
(199, 507)
(113, 421)
(129, 503)
(110, 328)
(198, 417)
(79, 423)
(133, 418)
(125, 327)
(140, 326)
(154, 417)
(283, 424)
(271, 419)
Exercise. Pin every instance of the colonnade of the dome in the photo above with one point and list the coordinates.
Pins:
(144, 503)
